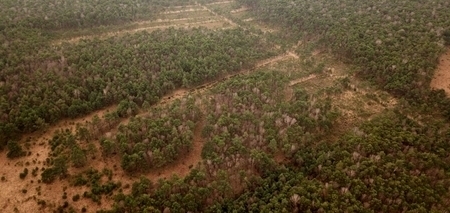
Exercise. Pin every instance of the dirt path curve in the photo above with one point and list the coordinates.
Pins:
(441, 79)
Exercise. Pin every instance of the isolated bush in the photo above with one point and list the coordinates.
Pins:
(15, 150)
(75, 198)
(24, 173)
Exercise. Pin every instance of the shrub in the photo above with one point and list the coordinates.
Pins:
(24, 173)
(447, 37)
(15, 150)
(75, 198)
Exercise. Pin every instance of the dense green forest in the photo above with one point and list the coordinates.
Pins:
(394, 44)
(156, 140)
(138, 68)
(56, 15)
(389, 164)
(238, 94)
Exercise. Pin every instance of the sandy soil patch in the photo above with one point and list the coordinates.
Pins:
(183, 11)
(301, 80)
(220, 2)
(441, 79)
(11, 195)
(242, 9)
(182, 7)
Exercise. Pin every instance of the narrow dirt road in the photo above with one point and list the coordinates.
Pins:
(183, 11)
(301, 80)
(220, 2)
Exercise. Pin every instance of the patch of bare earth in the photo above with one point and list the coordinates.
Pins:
(12, 194)
(242, 9)
(441, 79)
(301, 80)
(220, 2)
(183, 11)
(280, 158)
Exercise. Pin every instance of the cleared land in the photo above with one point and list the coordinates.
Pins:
(441, 79)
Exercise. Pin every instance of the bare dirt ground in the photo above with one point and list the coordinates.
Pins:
(183, 11)
(220, 2)
(441, 79)
(240, 10)
(11, 195)
(301, 80)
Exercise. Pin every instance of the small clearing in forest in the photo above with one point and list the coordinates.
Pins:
(441, 79)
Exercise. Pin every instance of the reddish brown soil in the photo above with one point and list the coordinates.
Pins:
(11, 195)
(441, 78)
